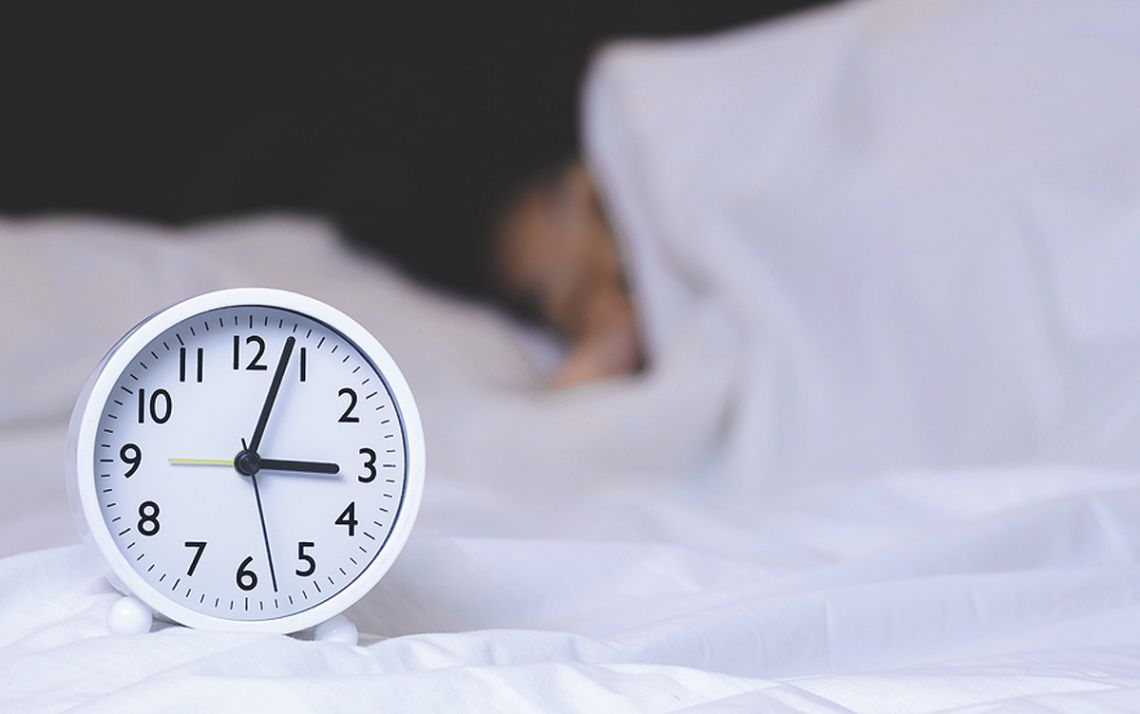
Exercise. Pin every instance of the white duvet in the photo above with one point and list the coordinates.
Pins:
(886, 458)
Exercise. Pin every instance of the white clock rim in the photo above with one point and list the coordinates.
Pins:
(89, 409)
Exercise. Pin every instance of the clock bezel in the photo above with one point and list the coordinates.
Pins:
(89, 408)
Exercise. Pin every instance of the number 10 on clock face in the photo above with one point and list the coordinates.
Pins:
(249, 463)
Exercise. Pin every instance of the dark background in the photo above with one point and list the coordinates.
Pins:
(409, 130)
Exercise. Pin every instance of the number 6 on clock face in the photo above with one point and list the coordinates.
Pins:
(248, 459)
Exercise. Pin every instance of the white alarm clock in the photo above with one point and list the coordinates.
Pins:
(248, 460)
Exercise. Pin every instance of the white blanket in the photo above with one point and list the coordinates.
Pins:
(884, 460)
(906, 232)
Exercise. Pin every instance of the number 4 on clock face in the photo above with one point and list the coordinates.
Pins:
(347, 518)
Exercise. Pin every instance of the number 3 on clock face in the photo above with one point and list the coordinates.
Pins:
(248, 459)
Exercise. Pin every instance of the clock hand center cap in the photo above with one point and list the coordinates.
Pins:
(247, 462)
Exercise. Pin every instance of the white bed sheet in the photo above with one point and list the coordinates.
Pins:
(631, 546)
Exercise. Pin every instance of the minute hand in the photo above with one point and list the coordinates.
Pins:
(274, 387)
(315, 467)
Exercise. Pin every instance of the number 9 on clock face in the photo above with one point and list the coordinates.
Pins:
(247, 459)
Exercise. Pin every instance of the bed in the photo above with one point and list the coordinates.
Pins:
(884, 458)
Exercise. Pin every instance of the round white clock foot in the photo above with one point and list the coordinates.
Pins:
(129, 616)
(338, 629)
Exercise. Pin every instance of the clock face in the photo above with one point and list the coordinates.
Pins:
(249, 463)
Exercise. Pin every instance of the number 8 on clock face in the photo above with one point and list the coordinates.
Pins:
(247, 459)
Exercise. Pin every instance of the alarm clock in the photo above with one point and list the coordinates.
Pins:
(246, 460)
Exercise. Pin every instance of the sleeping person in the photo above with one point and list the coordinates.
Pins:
(886, 236)
(556, 257)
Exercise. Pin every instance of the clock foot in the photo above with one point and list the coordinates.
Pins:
(129, 616)
(338, 629)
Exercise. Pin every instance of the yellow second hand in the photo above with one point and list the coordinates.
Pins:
(202, 462)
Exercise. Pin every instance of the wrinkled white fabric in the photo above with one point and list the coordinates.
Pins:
(884, 459)
(907, 229)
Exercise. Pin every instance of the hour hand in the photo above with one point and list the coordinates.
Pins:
(312, 467)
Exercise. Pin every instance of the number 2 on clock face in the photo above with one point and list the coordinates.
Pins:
(250, 462)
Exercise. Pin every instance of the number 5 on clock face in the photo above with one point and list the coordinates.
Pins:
(250, 463)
